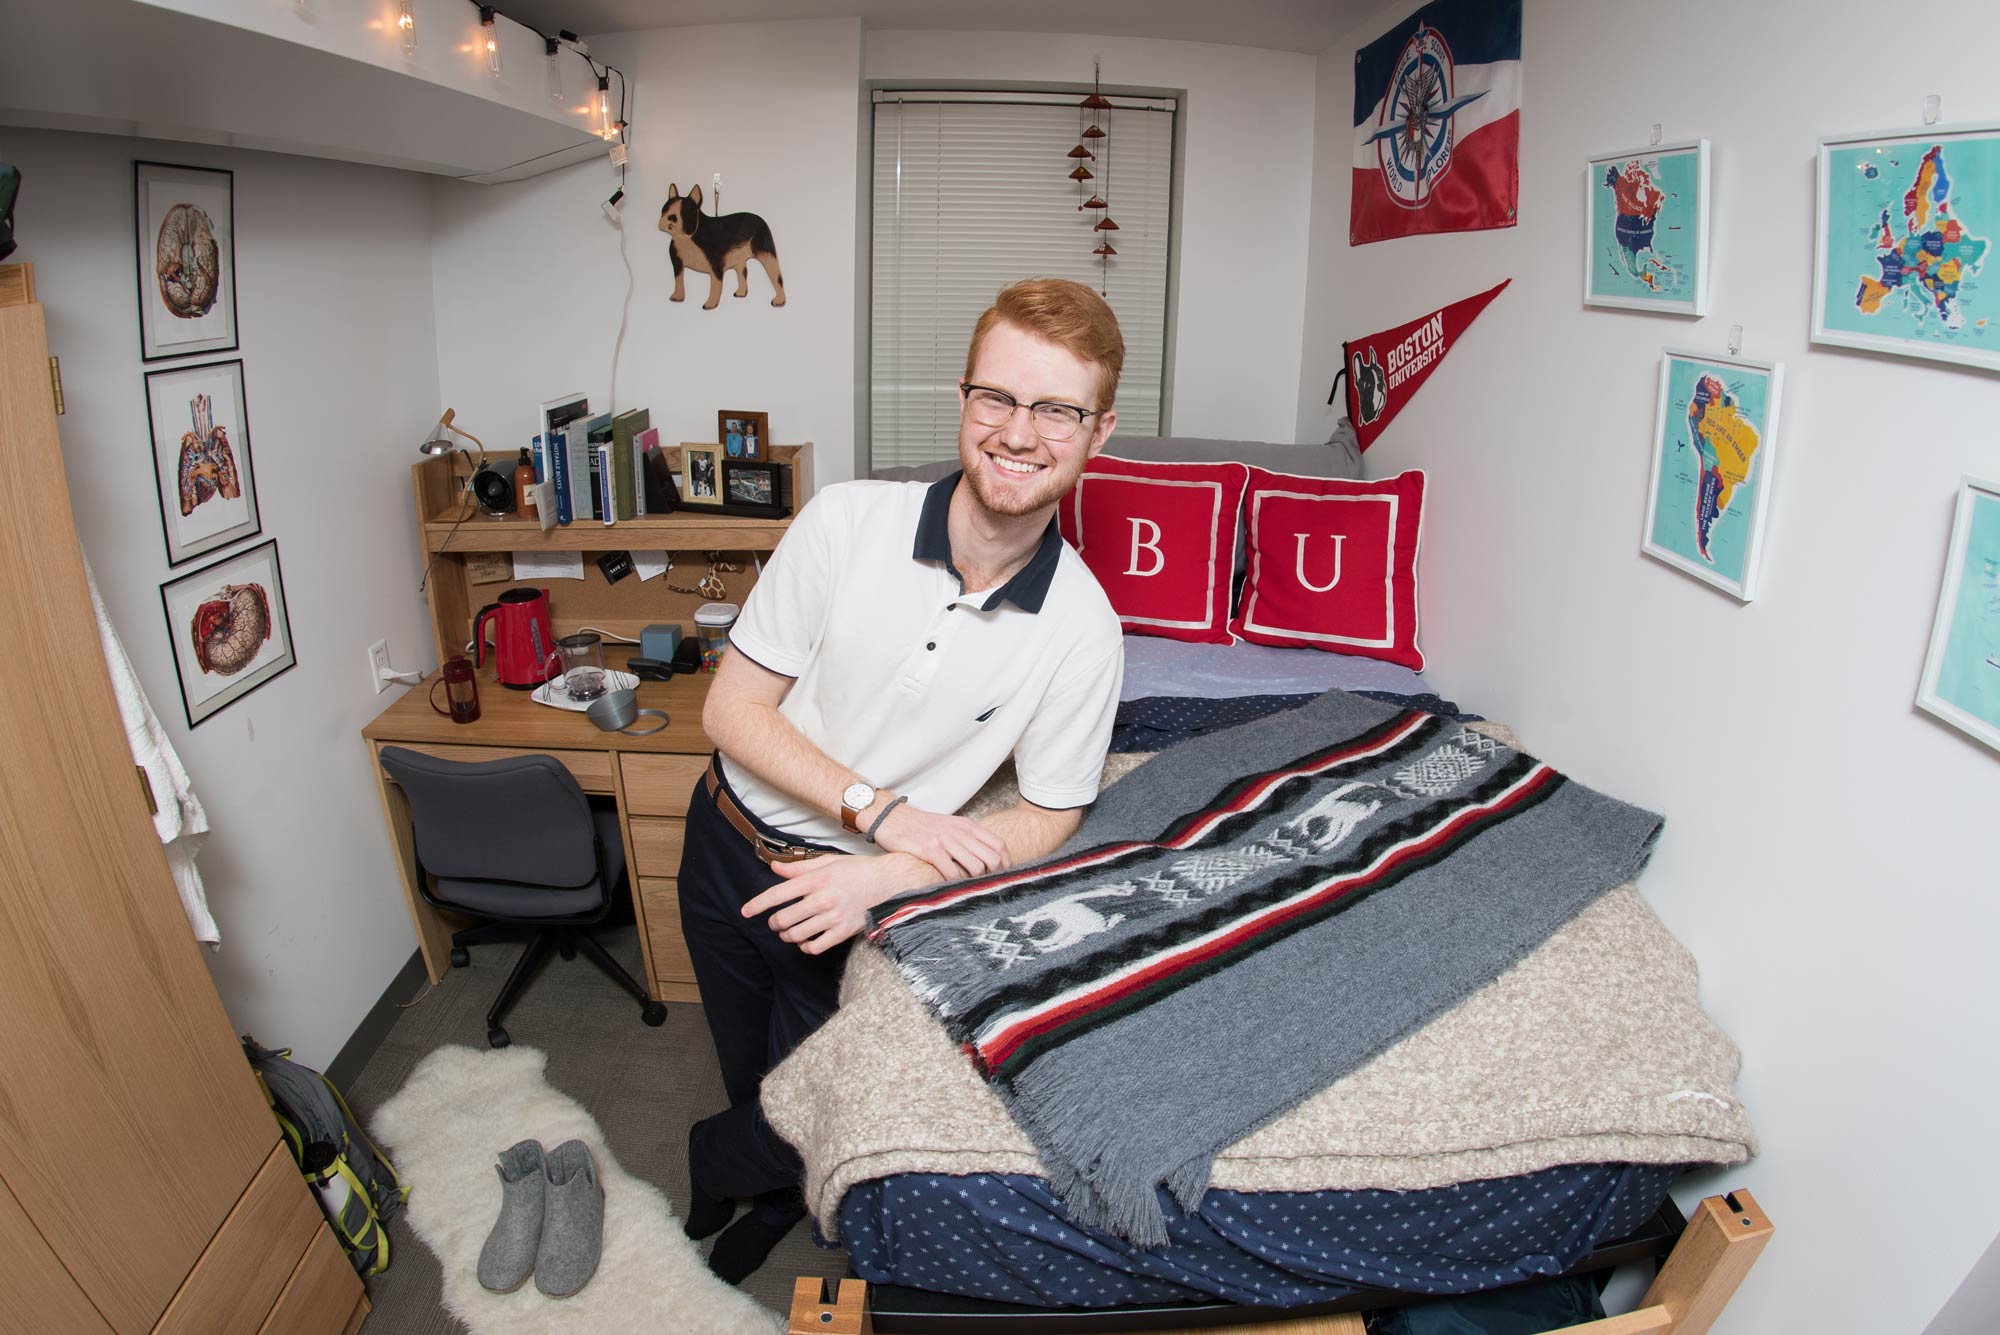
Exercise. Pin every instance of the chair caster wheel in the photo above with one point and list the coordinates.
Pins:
(460, 957)
(655, 1013)
(496, 1037)
(566, 950)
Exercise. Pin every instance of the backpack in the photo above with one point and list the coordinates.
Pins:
(356, 1186)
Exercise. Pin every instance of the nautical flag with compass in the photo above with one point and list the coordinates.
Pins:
(1437, 122)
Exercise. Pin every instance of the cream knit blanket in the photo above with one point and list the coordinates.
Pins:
(1592, 1049)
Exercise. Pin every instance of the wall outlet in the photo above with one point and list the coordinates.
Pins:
(378, 665)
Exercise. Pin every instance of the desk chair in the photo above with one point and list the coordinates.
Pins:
(515, 842)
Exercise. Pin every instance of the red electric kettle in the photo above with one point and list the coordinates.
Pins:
(524, 638)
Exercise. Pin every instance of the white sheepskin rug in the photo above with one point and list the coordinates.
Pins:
(443, 1130)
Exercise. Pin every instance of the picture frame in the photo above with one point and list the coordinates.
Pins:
(1905, 224)
(1961, 679)
(757, 488)
(701, 463)
(1715, 442)
(184, 249)
(205, 480)
(744, 436)
(229, 628)
(1645, 229)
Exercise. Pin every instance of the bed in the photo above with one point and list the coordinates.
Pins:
(916, 1169)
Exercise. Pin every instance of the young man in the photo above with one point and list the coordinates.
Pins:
(903, 642)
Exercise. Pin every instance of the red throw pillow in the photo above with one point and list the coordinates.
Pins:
(1333, 565)
(1161, 539)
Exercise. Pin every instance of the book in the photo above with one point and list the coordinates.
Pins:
(642, 441)
(663, 497)
(596, 431)
(576, 452)
(558, 449)
(623, 428)
(607, 474)
(556, 414)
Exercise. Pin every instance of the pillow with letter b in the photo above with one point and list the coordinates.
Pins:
(1333, 565)
(1161, 539)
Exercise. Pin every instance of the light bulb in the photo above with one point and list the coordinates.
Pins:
(406, 23)
(492, 38)
(555, 69)
(606, 128)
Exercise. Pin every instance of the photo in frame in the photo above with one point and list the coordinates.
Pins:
(765, 487)
(1904, 241)
(206, 482)
(1961, 681)
(702, 464)
(229, 629)
(744, 435)
(1714, 436)
(185, 250)
(1645, 227)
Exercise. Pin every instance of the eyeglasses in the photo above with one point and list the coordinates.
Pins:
(1052, 421)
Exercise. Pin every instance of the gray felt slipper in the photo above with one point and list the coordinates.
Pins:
(508, 1257)
(573, 1222)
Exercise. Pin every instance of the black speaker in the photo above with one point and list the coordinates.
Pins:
(493, 486)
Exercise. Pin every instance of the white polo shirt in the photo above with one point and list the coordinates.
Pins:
(916, 684)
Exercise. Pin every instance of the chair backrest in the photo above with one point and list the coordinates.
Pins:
(521, 820)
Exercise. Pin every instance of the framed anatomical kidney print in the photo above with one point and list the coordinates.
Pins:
(229, 630)
(186, 253)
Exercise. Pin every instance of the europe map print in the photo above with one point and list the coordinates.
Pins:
(1907, 235)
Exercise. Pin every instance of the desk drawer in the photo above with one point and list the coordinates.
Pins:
(660, 785)
(656, 846)
(671, 963)
(591, 768)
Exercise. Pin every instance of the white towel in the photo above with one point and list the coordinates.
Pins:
(178, 816)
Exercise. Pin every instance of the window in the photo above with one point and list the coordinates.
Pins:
(971, 193)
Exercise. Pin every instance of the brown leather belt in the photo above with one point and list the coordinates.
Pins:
(767, 848)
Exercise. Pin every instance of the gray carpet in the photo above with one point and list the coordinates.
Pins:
(644, 1086)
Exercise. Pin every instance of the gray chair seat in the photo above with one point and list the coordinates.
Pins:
(514, 901)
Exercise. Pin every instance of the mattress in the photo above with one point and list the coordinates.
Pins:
(1005, 1238)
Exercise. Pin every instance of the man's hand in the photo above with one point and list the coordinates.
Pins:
(958, 847)
(826, 899)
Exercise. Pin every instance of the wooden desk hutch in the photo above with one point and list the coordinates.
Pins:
(650, 777)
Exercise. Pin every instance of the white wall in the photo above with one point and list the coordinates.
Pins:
(340, 375)
(529, 283)
(1245, 199)
(1830, 853)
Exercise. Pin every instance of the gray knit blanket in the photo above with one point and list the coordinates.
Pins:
(1239, 923)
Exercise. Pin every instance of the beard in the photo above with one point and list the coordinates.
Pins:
(1014, 499)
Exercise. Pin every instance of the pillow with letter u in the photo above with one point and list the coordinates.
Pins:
(1333, 565)
(1161, 539)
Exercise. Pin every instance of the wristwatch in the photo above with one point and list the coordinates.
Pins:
(857, 799)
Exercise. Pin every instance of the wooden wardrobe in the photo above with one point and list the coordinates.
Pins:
(143, 1187)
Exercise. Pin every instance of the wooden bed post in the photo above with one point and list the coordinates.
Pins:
(1715, 1251)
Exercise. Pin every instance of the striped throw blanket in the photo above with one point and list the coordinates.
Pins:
(1241, 922)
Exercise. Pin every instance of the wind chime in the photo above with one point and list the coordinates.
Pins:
(1087, 111)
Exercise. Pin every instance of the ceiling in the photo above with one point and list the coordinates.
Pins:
(1310, 26)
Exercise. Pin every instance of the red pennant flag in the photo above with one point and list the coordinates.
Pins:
(1384, 370)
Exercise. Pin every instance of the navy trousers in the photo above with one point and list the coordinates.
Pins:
(761, 995)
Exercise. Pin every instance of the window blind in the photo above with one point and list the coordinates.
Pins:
(971, 193)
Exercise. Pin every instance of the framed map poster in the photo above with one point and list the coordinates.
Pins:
(201, 458)
(1961, 682)
(1906, 223)
(1710, 496)
(229, 629)
(1645, 229)
(185, 221)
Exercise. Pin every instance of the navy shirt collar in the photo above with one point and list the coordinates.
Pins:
(1029, 585)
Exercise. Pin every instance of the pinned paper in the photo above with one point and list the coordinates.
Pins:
(529, 566)
(650, 564)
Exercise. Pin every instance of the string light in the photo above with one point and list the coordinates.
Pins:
(492, 39)
(606, 127)
(406, 23)
(554, 47)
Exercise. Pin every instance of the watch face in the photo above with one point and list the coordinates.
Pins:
(858, 796)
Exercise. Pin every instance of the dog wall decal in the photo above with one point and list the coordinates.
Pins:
(717, 245)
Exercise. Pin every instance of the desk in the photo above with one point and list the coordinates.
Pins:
(650, 777)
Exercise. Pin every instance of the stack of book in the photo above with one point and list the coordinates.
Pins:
(604, 468)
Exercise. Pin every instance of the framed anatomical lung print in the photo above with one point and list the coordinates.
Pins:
(229, 629)
(201, 458)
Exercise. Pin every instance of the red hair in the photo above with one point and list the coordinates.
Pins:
(1067, 314)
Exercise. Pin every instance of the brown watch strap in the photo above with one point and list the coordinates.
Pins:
(850, 819)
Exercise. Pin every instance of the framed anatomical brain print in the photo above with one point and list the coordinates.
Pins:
(186, 253)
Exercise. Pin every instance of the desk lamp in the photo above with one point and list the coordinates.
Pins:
(493, 488)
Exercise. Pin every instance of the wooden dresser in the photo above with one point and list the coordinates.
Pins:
(143, 1187)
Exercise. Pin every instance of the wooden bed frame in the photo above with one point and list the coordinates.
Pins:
(1714, 1252)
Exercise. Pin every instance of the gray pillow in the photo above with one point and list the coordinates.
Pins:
(1338, 457)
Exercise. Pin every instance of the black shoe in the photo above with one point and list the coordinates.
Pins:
(744, 1246)
(706, 1213)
